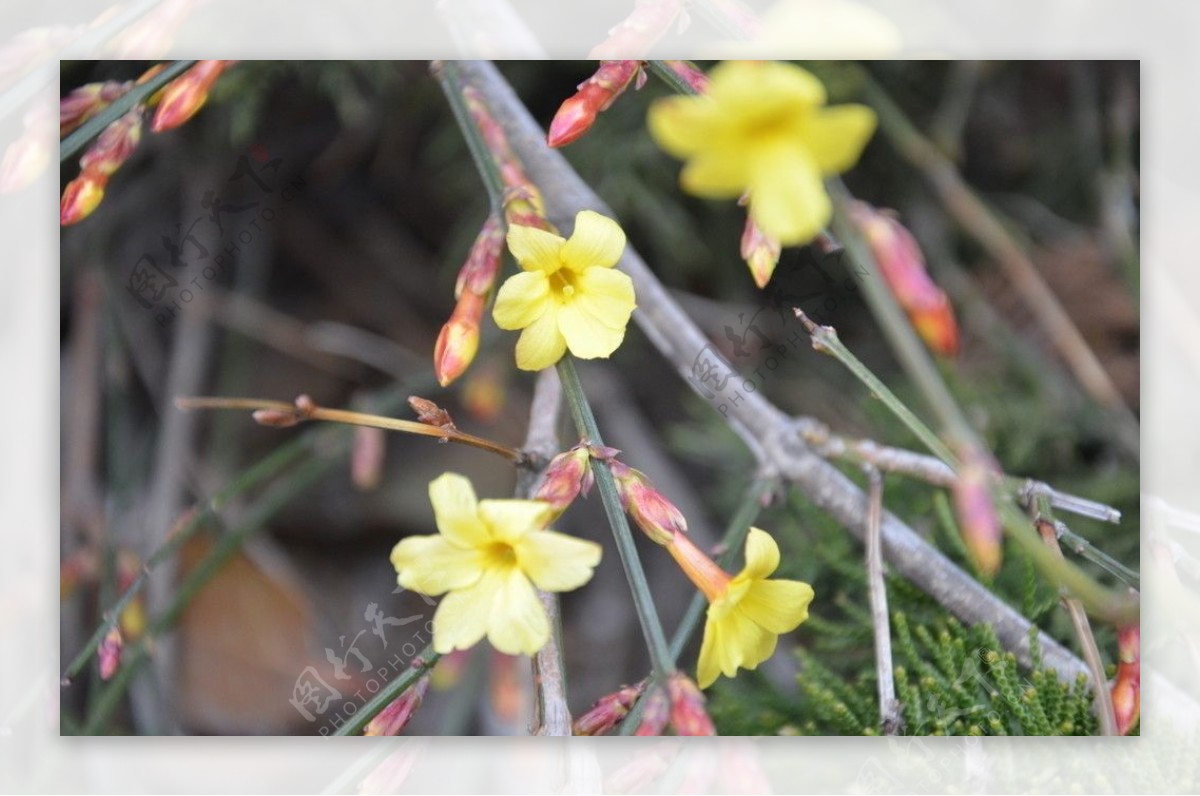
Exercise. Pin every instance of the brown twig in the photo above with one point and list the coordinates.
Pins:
(282, 414)
(763, 426)
(551, 716)
(889, 708)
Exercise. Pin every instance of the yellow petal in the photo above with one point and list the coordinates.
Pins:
(717, 173)
(541, 344)
(464, 615)
(455, 509)
(587, 336)
(835, 137)
(683, 126)
(787, 198)
(518, 624)
(747, 643)
(509, 520)
(777, 605)
(597, 241)
(709, 666)
(555, 561)
(746, 87)
(762, 555)
(607, 295)
(521, 300)
(535, 249)
(434, 565)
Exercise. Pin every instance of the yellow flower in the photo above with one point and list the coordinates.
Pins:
(487, 558)
(746, 613)
(763, 128)
(569, 295)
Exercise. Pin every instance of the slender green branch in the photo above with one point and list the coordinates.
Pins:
(447, 75)
(94, 126)
(666, 74)
(585, 422)
(421, 664)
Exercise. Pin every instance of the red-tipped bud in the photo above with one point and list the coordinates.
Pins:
(86, 101)
(395, 717)
(81, 196)
(903, 267)
(114, 146)
(366, 457)
(688, 715)
(1127, 687)
(577, 114)
(458, 341)
(608, 711)
(655, 714)
(430, 413)
(108, 654)
(654, 514)
(567, 475)
(478, 274)
(186, 94)
(977, 516)
(760, 251)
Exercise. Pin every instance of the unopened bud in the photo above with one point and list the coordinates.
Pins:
(430, 413)
(478, 274)
(567, 475)
(577, 114)
(903, 267)
(608, 711)
(276, 418)
(688, 715)
(81, 196)
(186, 94)
(114, 146)
(760, 251)
(655, 714)
(654, 514)
(86, 101)
(977, 516)
(1127, 687)
(458, 341)
(395, 717)
(108, 654)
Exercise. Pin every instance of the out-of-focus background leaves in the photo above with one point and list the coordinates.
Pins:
(331, 270)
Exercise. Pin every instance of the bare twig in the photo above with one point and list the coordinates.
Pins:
(763, 426)
(1087, 641)
(889, 709)
(551, 716)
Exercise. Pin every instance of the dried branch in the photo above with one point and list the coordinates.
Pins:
(889, 709)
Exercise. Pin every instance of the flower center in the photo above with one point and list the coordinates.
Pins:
(500, 554)
(562, 283)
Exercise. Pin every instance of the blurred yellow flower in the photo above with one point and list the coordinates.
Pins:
(746, 613)
(568, 295)
(487, 558)
(762, 128)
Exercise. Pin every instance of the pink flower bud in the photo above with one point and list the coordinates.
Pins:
(760, 251)
(651, 511)
(1127, 687)
(478, 274)
(577, 114)
(688, 715)
(458, 342)
(109, 653)
(655, 714)
(114, 146)
(395, 717)
(86, 101)
(608, 711)
(81, 196)
(567, 475)
(977, 516)
(903, 267)
(186, 94)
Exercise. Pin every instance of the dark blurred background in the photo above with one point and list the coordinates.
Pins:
(335, 202)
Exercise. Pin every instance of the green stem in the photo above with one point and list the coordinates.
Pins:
(390, 692)
(94, 126)
(667, 75)
(448, 78)
(581, 412)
